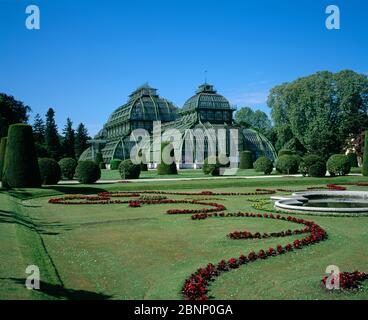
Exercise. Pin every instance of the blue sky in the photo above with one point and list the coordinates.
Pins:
(89, 56)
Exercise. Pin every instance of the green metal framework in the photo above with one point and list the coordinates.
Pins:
(206, 110)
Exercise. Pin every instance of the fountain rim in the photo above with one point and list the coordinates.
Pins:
(292, 203)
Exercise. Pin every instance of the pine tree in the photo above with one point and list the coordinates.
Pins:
(51, 136)
(81, 138)
(69, 140)
(39, 136)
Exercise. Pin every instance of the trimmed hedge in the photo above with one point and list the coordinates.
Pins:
(287, 164)
(212, 166)
(50, 171)
(87, 172)
(353, 159)
(114, 164)
(102, 165)
(365, 155)
(20, 164)
(246, 160)
(129, 170)
(338, 164)
(313, 166)
(164, 168)
(67, 166)
(263, 164)
(317, 169)
(2, 155)
(99, 158)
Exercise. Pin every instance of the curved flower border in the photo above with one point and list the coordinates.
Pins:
(196, 285)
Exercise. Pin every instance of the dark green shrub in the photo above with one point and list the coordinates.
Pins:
(317, 169)
(4, 125)
(20, 164)
(129, 170)
(164, 168)
(87, 172)
(246, 160)
(114, 164)
(67, 166)
(285, 152)
(338, 164)
(319, 165)
(365, 155)
(50, 171)
(144, 165)
(99, 158)
(102, 165)
(263, 164)
(287, 164)
(2, 155)
(212, 165)
(353, 159)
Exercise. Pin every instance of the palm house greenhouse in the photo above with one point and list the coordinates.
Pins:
(205, 117)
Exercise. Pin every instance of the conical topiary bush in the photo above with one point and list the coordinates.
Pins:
(2, 155)
(365, 155)
(20, 164)
(163, 167)
(246, 160)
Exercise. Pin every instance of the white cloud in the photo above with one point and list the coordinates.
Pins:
(249, 98)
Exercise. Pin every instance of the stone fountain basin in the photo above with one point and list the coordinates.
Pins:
(298, 201)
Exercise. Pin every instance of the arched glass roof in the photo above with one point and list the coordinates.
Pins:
(206, 98)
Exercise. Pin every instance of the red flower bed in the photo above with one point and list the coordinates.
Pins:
(348, 280)
(196, 286)
(134, 204)
(335, 187)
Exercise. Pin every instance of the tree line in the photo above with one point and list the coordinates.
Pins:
(324, 113)
(49, 143)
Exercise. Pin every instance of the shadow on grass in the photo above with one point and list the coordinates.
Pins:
(74, 189)
(12, 218)
(60, 292)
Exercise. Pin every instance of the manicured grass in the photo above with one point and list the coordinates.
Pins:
(185, 173)
(113, 251)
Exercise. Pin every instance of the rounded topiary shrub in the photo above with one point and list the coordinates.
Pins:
(167, 149)
(246, 160)
(309, 161)
(129, 170)
(287, 164)
(87, 172)
(50, 171)
(353, 159)
(114, 164)
(20, 163)
(67, 166)
(338, 165)
(263, 164)
(2, 155)
(317, 169)
(212, 165)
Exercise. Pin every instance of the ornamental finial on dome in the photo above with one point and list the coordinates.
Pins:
(206, 88)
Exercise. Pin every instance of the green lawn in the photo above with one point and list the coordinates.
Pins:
(185, 173)
(117, 252)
